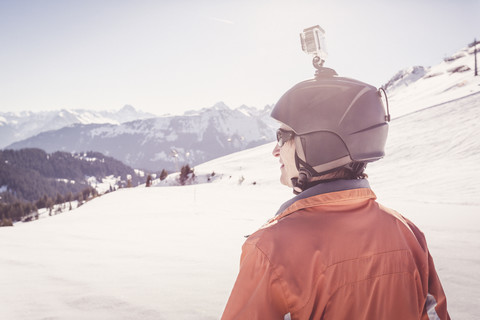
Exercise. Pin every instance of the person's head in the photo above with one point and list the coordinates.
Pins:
(285, 151)
(330, 128)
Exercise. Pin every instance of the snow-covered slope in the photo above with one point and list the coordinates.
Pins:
(25, 124)
(429, 153)
(436, 148)
(419, 87)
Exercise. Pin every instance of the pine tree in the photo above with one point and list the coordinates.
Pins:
(184, 174)
(163, 175)
(149, 181)
(49, 205)
(59, 199)
(6, 222)
(79, 198)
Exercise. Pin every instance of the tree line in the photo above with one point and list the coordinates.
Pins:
(31, 179)
(28, 174)
(20, 210)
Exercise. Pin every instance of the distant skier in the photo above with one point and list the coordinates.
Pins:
(333, 252)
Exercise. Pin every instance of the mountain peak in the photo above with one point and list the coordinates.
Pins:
(128, 108)
(220, 106)
(405, 77)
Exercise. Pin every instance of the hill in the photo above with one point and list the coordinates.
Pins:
(28, 175)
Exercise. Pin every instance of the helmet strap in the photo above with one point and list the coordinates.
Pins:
(356, 167)
(301, 183)
(305, 167)
(305, 172)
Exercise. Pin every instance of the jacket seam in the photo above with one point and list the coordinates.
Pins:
(274, 271)
(366, 279)
(346, 260)
(364, 257)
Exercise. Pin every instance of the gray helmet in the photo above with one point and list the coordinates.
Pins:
(337, 122)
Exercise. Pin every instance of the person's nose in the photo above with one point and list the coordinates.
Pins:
(276, 151)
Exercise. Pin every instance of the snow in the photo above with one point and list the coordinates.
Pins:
(160, 156)
(60, 180)
(139, 173)
(438, 85)
(169, 128)
(106, 183)
(171, 252)
(150, 258)
(25, 124)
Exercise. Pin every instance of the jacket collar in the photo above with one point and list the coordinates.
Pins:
(324, 188)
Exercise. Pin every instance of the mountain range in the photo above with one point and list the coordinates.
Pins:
(165, 142)
(17, 126)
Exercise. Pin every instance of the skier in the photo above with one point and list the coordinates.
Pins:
(333, 252)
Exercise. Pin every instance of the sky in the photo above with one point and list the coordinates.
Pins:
(173, 56)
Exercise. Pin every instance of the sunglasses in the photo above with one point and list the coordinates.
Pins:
(283, 136)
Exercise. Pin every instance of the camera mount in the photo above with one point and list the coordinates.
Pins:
(313, 43)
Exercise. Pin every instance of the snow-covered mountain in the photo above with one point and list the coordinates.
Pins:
(422, 87)
(165, 142)
(405, 77)
(22, 125)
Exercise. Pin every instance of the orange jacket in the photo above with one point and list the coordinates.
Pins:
(333, 252)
